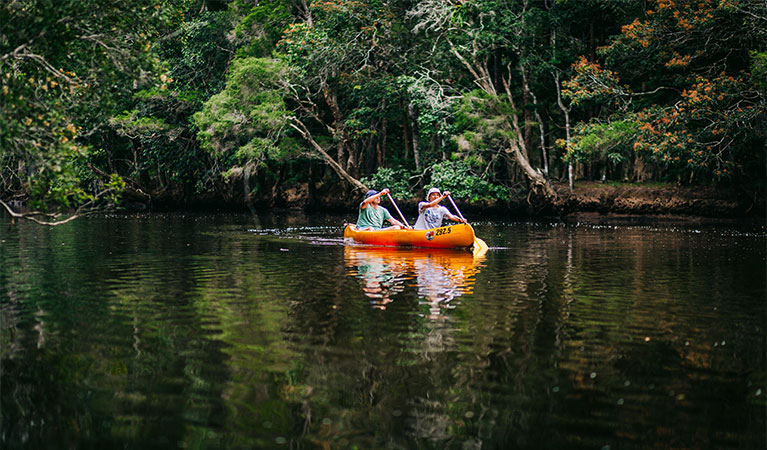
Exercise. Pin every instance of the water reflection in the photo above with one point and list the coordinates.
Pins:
(440, 275)
(191, 332)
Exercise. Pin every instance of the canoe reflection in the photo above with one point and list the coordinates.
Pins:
(439, 274)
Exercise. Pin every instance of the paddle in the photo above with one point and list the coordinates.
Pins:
(391, 199)
(479, 244)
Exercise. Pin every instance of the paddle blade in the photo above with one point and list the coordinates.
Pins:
(480, 247)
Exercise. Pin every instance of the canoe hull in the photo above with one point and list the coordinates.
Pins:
(453, 236)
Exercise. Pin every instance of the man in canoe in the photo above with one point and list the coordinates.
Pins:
(431, 213)
(372, 215)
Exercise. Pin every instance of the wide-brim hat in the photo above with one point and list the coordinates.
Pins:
(432, 191)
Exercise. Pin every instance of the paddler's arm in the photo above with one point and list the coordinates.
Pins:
(437, 200)
(394, 221)
(450, 215)
(367, 201)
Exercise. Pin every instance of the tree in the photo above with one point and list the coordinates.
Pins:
(485, 39)
(678, 81)
(66, 69)
(343, 58)
(245, 125)
(156, 149)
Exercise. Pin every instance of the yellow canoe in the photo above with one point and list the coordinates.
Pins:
(454, 236)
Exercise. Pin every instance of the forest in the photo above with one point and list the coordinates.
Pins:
(105, 103)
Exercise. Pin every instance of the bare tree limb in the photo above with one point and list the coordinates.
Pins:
(18, 55)
(32, 216)
(344, 175)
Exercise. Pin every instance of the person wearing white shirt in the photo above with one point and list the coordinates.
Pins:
(431, 213)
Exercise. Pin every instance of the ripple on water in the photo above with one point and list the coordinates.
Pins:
(560, 337)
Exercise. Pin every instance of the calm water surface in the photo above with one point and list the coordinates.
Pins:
(243, 331)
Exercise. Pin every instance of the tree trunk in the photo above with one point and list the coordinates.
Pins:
(351, 162)
(414, 130)
(342, 146)
(538, 184)
(544, 153)
(406, 133)
(380, 133)
(526, 113)
(640, 173)
(373, 154)
(538, 118)
(382, 145)
(566, 112)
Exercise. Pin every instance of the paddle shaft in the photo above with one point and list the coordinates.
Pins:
(391, 199)
(456, 207)
(478, 243)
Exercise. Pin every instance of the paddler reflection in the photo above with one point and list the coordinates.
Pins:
(381, 277)
(440, 275)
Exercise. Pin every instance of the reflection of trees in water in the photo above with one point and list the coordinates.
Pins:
(580, 330)
(411, 400)
(513, 367)
(100, 343)
(260, 343)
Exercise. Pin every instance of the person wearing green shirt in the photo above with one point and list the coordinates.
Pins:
(372, 215)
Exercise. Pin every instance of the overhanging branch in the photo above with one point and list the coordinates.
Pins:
(33, 216)
(344, 175)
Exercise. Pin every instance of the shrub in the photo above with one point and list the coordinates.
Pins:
(397, 180)
(459, 178)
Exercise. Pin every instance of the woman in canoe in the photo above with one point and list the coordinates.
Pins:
(372, 215)
(431, 213)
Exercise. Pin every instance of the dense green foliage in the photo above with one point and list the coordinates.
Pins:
(64, 70)
(681, 92)
(189, 99)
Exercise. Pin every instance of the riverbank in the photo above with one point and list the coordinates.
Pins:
(587, 199)
(660, 199)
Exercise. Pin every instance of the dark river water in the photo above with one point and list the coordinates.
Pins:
(244, 331)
